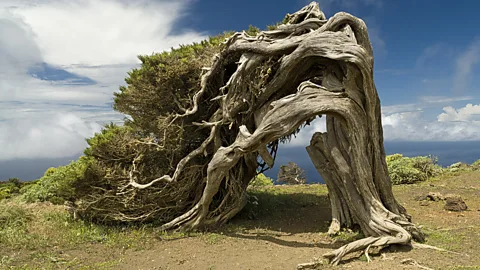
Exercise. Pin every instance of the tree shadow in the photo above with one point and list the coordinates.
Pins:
(276, 240)
(287, 213)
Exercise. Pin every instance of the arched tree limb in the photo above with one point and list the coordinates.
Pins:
(262, 89)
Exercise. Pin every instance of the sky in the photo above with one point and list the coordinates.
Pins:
(62, 60)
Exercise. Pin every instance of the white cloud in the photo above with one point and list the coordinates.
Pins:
(304, 136)
(461, 124)
(425, 103)
(17, 46)
(465, 65)
(99, 40)
(468, 113)
(93, 32)
(412, 126)
(62, 135)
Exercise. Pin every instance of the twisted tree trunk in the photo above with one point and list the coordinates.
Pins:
(306, 68)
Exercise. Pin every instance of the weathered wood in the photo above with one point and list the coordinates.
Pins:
(308, 67)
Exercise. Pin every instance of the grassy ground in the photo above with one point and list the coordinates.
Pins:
(288, 226)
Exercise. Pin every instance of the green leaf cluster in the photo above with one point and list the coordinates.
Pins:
(10, 188)
(57, 184)
(261, 180)
(409, 170)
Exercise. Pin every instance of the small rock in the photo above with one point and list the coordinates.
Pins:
(456, 204)
(431, 196)
(424, 203)
(435, 196)
(421, 198)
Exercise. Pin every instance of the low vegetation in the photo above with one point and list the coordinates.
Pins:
(10, 188)
(261, 180)
(58, 185)
(42, 235)
(409, 170)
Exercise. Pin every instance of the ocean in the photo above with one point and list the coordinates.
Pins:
(447, 152)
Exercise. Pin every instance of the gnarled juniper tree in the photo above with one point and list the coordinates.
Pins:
(202, 114)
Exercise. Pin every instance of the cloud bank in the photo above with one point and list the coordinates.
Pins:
(408, 122)
(98, 41)
(57, 136)
(412, 126)
(63, 60)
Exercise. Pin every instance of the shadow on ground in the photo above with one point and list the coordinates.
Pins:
(290, 213)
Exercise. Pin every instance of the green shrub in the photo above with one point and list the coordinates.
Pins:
(10, 188)
(6, 191)
(476, 165)
(56, 185)
(408, 170)
(261, 180)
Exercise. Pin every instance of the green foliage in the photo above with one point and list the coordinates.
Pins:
(57, 184)
(261, 180)
(460, 167)
(10, 188)
(476, 165)
(408, 170)
(165, 83)
(252, 30)
(150, 144)
(104, 138)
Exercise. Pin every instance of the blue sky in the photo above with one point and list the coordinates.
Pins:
(61, 61)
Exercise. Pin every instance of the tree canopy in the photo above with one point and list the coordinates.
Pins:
(291, 174)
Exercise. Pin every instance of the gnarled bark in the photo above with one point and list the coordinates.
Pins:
(308, 67)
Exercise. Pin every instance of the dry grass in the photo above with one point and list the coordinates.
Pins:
(282, 226)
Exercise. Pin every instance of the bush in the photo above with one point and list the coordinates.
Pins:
(56, 185)
(460, 167)
(408, 170)
(10, 188)
(476, 165)
(261, 180)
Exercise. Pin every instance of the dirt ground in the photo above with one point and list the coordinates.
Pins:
(291, 229)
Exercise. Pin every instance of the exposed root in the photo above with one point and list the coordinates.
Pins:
(366, 253)
(336, 256)
(423, 246)
(311, 265)
(411, 261)
(181, 219)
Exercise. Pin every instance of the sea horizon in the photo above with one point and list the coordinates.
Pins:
(447, 153)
